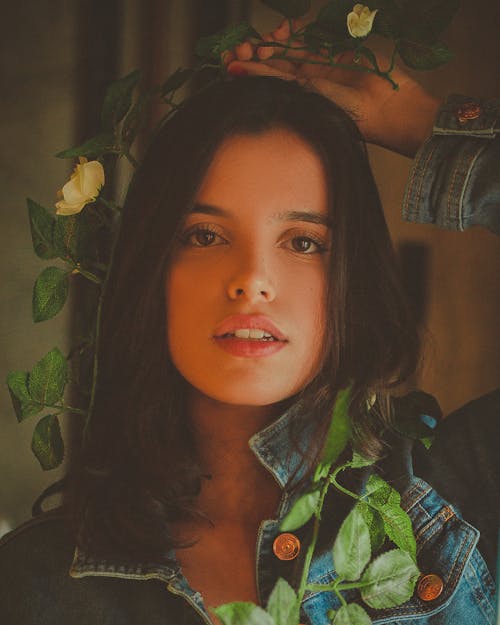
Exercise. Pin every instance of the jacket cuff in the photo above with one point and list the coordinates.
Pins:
(444, 165)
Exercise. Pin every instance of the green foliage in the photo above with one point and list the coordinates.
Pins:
(375, 525)
(103, 143)
(358, 461)
(42, 230)
(243, 613)
(422, 55)
(176, 80)
(301, 511)
(289, 8)
(352, 548)
(118, 100)
(49, 293)
(389, 580)
(338, 434)
(66, 234)
(397, 524)
(213, 46)
(47, 443)
(24, 406)
(351, 614)
(48, 378)
(282, 605)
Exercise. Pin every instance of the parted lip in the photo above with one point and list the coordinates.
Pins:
(252, 322)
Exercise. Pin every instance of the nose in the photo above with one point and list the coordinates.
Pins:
(252, 283)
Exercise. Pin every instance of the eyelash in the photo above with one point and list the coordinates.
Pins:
(186, 239)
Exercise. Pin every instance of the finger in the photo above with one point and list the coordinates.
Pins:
(243, 51)
(265, 52)
(257, 68)
(282, 32)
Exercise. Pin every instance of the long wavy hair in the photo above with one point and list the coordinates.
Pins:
(138, 469)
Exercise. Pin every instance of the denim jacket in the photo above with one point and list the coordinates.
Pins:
(45, 581)
(454, 180)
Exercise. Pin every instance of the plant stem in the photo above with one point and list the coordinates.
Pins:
(312, 545)
(339, 487)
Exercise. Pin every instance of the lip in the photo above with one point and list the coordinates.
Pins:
(253, 322)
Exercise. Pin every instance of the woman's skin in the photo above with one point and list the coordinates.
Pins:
(264, 252)
(398, 120)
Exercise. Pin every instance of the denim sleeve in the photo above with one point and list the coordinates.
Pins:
(455, 178)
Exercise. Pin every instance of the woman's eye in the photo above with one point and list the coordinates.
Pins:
(306, 245)
(202, 237)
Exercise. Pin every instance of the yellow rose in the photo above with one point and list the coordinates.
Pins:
(360, 20)
(82, 188)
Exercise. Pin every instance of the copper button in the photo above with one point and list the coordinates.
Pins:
(286, 546)
(429, 587)
(469, 110)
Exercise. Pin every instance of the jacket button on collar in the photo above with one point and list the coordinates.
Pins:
(286, 546)
(429, 587)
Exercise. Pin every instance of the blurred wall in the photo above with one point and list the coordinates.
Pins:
(53, 62)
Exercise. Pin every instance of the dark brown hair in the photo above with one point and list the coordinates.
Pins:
(138, 467)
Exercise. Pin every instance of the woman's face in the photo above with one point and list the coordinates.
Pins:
(246, 289)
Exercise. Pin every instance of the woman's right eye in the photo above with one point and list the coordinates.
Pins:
(202, 237)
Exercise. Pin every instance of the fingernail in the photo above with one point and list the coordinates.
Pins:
(236, 70)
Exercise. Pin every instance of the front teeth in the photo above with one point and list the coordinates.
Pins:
(247, 333)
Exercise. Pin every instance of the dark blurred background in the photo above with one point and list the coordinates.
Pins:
(56, 58)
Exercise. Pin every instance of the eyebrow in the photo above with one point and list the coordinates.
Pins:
(315, 218)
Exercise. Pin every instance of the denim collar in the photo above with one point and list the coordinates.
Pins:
(279, 447)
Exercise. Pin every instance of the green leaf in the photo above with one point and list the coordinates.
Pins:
(375, 525)
(136, 118)
(397, 525)
(48, 378)
(24, 406)
(42, 228)
(49, 293)
(47, 443)
(379, 493)
(352, 549)
(351, 614)
(242, 613)
(358, 461)
(390, 580)
(97, 146)
(118, 99)
(282, 605)
(66, 236)
(289, 8)
(301, 511)
(421, 56)
(338, 434)
(176, 80)
(213, 46)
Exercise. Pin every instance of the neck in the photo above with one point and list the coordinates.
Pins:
(221, 433)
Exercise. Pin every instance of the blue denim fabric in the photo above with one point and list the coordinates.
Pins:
(454, 180)
(41, 586)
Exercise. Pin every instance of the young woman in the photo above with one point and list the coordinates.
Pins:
(253, 278)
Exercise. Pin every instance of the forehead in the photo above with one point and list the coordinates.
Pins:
(272, 170)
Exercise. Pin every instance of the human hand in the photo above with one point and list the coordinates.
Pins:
(399, 120)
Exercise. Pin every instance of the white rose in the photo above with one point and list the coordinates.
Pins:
(360, 20)
(82, 188)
